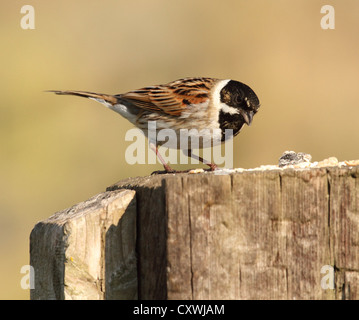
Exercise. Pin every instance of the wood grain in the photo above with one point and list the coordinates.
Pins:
(257, 234)
(87, 251)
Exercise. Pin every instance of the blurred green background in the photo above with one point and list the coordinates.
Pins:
(57, 151)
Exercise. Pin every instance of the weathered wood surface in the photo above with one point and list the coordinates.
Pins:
(249, 235)
(87, 251)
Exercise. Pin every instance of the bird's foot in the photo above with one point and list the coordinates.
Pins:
(169, 171)
(167, 168)
(212, 167)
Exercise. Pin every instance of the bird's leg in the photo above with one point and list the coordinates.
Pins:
(212, 166)
(167, 168)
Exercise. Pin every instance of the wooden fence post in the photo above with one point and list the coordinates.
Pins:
(256, 234)
(87, 251)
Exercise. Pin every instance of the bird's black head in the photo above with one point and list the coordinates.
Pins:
(238, 106)
(240, 99)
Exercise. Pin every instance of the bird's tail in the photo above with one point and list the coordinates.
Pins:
(100, 97)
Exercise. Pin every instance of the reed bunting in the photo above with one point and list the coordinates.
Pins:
(190, 103)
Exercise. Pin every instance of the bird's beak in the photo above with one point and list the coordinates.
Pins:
(248, 117)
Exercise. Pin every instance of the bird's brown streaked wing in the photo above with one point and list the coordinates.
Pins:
(140, 98)
(174, 97)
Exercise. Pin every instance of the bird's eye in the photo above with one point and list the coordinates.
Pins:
(239, 99)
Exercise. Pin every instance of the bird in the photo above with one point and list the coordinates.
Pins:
(201, 103)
